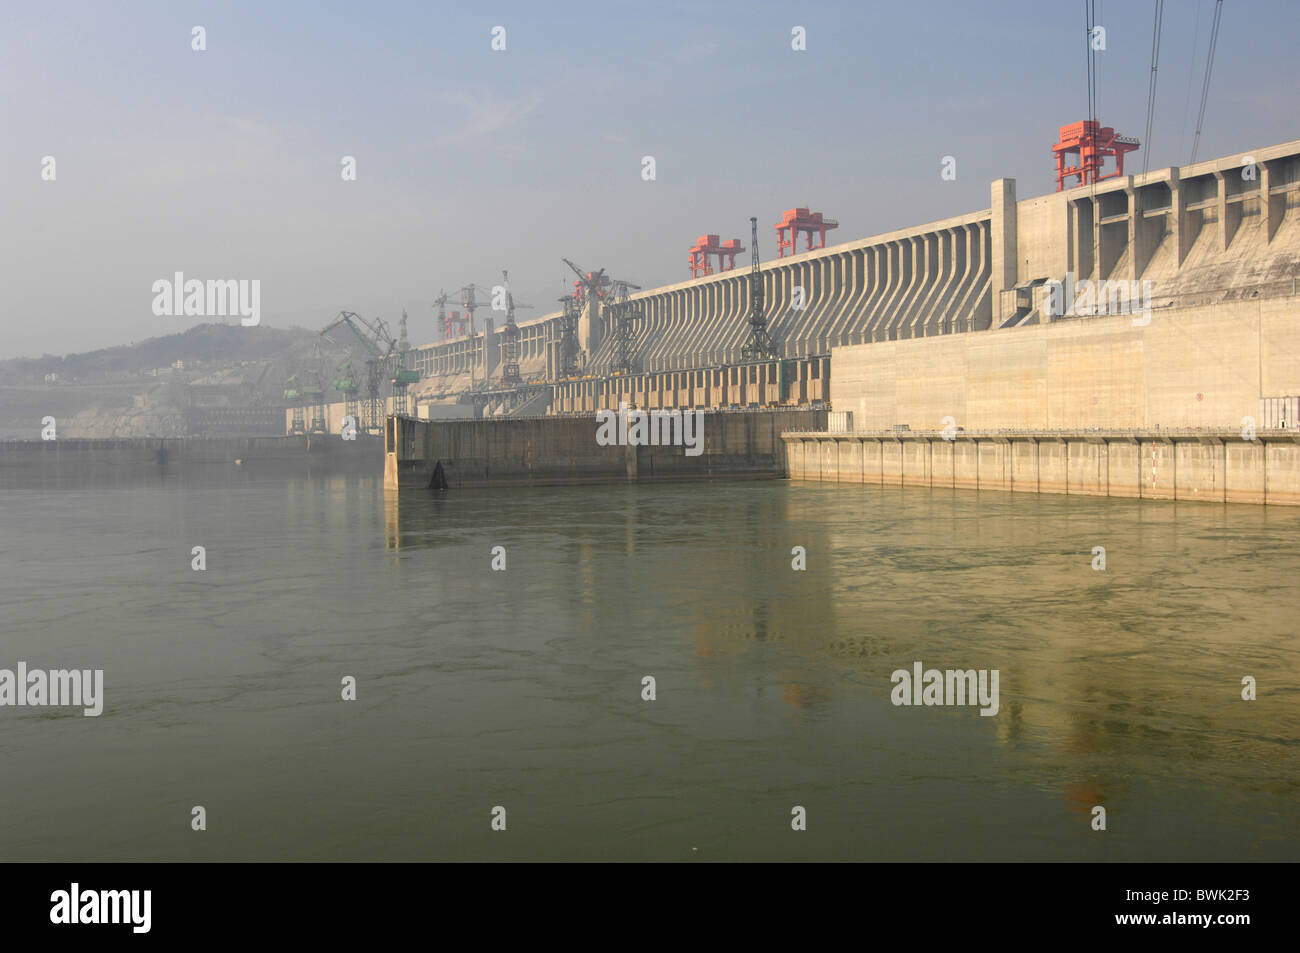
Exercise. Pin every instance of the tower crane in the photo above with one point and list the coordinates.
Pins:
(403, 376)
(509, 338)
(469, 303)
(759, 347)
(455, 320)
(623, 313)
(570, 352)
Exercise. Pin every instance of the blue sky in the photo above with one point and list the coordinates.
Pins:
(226, 163)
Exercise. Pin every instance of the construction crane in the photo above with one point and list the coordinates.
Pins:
(381, 347)
(403, 377)
(312, 392)
(623, 313)
(759, 347)
(509, 338)
(590, 285)
(592, 288)
(570, 352)
(468, 302)
(346, 384)
(293, 393)
(454, 321)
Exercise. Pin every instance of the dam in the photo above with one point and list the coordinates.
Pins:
(961, 325)
(1218, 239)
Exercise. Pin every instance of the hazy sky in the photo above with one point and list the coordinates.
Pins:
(226, 163)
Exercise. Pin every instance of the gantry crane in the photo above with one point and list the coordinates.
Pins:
(797, 221)
(708, 245)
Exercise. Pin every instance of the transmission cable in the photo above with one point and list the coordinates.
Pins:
(1151, 88)
(1209, 68)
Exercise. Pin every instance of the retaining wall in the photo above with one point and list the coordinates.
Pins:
(1213, 467)
(553, 450)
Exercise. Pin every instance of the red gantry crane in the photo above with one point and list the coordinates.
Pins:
(708, 245)
(1089, 143)
(798, 220)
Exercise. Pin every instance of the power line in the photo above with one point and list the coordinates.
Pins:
(1151, 88)
(1191, 72)
(1090, 54)
(1090, 22)
(1209, 68)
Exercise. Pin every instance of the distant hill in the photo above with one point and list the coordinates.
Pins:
(203, 343)
(137, 389)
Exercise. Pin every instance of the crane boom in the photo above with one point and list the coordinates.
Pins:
(374, 334)
(576, 270)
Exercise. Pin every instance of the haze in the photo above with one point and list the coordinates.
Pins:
(226, 163)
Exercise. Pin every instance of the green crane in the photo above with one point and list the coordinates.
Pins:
(346, 384)
(293, 393)
(386, 361)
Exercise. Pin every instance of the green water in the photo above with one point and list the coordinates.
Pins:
(523, 688)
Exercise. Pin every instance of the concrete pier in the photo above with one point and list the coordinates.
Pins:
(542, 451)
(1212, 467)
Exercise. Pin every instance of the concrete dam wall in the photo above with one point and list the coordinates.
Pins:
(1220, 230)
(1206, 467)
(1208, 367)
(541, 451)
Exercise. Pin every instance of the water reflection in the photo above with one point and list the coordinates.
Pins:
(1119, 688)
